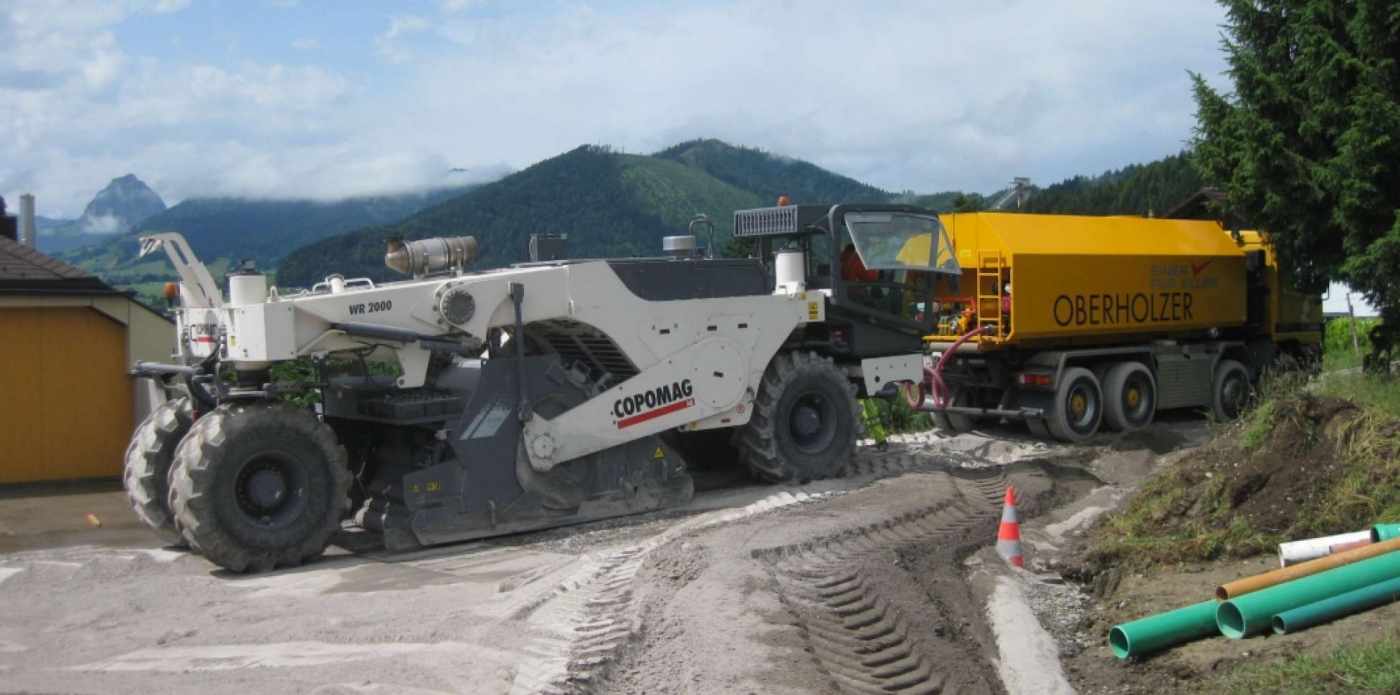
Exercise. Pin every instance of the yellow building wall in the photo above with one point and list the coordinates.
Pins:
(65, 397)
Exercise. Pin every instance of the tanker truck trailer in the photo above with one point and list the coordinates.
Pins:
(1073, 323)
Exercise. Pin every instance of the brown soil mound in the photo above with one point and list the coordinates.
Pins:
(1270, 478)
(1295, 466)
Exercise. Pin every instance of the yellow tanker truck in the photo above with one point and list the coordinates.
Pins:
(1073, 323)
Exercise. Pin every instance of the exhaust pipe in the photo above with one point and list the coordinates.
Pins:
(428, 256)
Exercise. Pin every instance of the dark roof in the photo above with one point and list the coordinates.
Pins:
(22, 269)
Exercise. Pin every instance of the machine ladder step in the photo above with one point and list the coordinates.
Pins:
(989, 293)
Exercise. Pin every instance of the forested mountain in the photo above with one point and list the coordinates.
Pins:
(612, 204)
(771, 175)
(608, 204)
(221, 230)
(1137, 189)
(122, 204)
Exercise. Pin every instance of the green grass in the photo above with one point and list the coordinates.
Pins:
(1372, 667)
(1341, 359)
(1258, 423)
(1186, 513)
(1368, 391)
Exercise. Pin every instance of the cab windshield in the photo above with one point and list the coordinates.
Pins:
(901, 241)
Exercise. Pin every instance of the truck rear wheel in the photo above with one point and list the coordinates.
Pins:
(804, 422)
(1078, 406)
(954, 423)
(148, 458)
(1130, 396)
(259, 485)
(1231, 391)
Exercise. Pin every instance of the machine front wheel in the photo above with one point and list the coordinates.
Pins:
(148, 458)
(259, 485)
(805, 420)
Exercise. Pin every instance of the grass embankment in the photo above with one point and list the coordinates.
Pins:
(1372, 667)
(1303, 462)
(1340, 351)
(1308, 459)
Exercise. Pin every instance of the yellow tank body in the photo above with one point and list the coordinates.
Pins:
(1294, 316)
(1078, 280)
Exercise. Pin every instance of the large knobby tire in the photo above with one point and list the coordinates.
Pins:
(1130, 397)
(805, 420)
(1231, 390)
(259, 485)
(1078, 407)
(146, 472)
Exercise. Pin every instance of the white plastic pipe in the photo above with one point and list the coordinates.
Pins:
(1294, 552)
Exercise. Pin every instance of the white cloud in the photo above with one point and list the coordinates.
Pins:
(389, 43)
(450, 6)
(306, 43)
(102, 224)
(901, 94)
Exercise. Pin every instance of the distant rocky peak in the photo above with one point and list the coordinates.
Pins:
(124, 203)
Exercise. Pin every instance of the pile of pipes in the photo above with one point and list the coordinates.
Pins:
(1320, 580)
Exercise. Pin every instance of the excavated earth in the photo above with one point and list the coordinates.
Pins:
(876, 582)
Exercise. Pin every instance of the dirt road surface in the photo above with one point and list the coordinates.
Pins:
(852, 585)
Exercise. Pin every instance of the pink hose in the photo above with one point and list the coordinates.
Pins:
(934, 377)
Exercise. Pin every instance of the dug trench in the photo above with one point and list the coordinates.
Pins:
(865, 592)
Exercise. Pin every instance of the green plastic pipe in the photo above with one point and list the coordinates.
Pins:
(1157, 632)
(1385, 532)
(1255, 611)
(1365, 598)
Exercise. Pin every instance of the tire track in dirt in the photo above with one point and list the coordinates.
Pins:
(581, 628)
(857, 630)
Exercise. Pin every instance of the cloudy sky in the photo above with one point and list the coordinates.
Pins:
(279, 98)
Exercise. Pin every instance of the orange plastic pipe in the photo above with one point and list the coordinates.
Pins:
(1240, 587)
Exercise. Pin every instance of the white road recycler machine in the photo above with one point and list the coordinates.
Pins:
(539, 395)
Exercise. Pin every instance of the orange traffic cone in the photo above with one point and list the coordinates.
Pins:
(1009, 535)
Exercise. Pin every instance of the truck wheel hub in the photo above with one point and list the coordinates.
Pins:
(1133, 397)
(1078, 404)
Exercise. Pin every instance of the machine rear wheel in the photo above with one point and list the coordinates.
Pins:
(1130, 396)
(259, 485)
(805, 420)
(1078, 406)
(148, 458)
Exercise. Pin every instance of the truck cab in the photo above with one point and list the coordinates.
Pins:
(878, 266)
